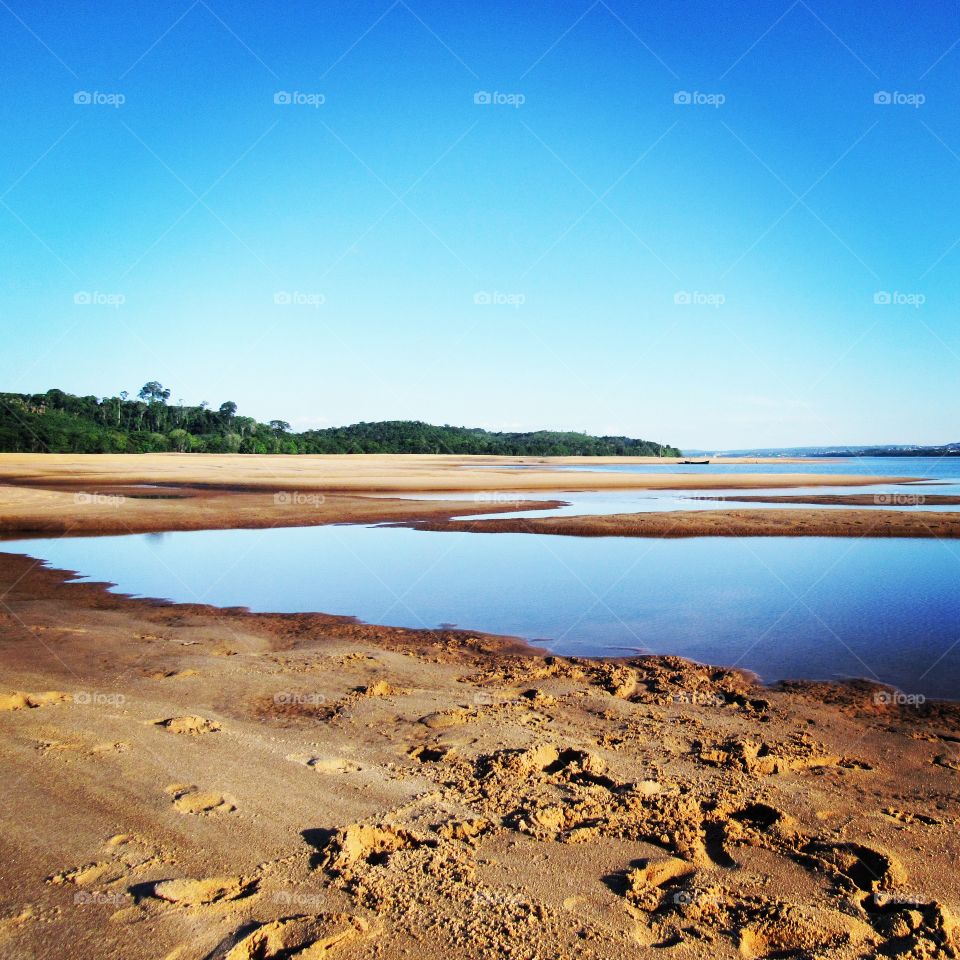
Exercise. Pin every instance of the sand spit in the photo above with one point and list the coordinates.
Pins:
(27, 511)
(335, 789)
(395, 473)
(43, 495)
(723, 523)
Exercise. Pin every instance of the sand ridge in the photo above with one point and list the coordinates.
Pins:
(784, 522)
(394, 473)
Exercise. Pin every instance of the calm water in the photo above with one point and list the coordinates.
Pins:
(908, 497)
(790, 607)
(930, 467)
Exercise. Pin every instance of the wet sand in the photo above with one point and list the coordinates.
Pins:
(188, 782)
(119, 509)
(906, 498)
(722, 523)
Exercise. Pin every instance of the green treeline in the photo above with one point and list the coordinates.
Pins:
(58, 422)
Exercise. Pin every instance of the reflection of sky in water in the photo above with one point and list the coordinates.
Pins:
(599, 502)
(934, 467)
(784, 607)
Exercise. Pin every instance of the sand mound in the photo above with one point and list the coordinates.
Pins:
(366, 843)
(378, 689)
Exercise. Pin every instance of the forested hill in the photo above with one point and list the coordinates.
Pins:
(58, 422)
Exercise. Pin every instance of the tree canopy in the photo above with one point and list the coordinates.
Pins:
(59, 422)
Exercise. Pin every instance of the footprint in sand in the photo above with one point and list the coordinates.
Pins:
(301, 936)
(31, 701)
(332, 765)
(89, 874)
(198, 893)
(113, 746)
(444, 719)
(192, 726)
(10, 924)
(910, 818)
(133, 851)
(66, 749)
(948, 763)
(190, 799)
(127, 854)
(55, 747)
(433, 753)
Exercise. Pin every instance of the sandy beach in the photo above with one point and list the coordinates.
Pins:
(479, 482)
(196, 783)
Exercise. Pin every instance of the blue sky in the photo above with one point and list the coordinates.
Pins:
(774, 262)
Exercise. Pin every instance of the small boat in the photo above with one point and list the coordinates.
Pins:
(697, 462)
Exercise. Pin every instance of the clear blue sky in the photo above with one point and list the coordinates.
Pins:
(586, 215)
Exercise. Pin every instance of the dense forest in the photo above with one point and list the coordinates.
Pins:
(58, 422)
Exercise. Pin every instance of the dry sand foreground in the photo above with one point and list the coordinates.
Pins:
(187, 782)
